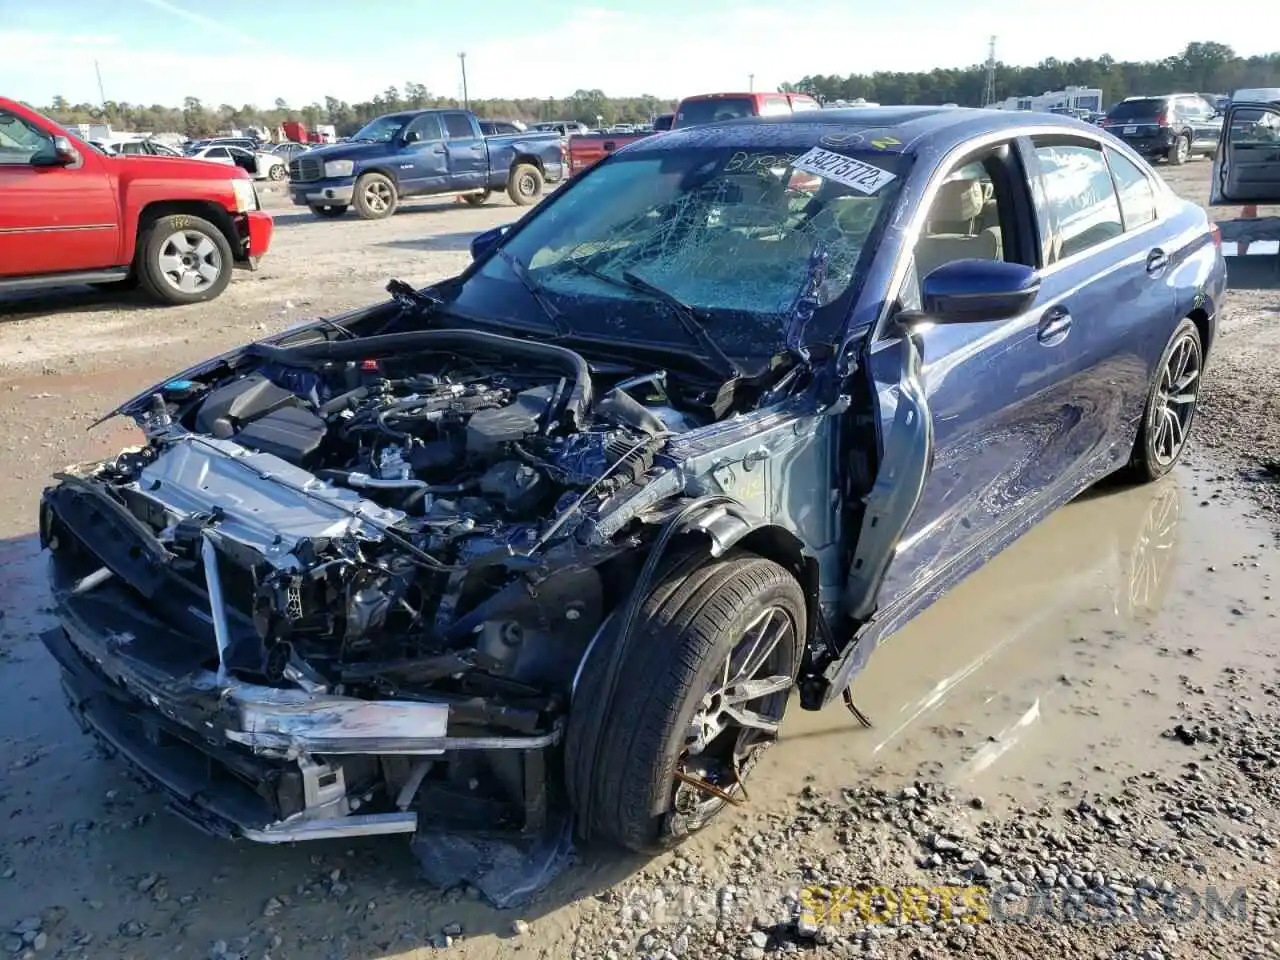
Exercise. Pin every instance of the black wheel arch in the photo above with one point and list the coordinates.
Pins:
(206, 210)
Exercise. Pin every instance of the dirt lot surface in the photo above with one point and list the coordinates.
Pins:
(1089, 727)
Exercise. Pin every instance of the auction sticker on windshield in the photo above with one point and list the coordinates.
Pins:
(863, 177)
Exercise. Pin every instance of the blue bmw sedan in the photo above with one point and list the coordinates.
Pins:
(553, 541)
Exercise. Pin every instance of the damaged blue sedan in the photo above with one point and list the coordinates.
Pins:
(554, 541)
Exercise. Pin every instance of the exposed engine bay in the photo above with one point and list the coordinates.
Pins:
(374, 504)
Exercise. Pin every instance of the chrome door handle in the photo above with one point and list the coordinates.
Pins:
(1055, 324)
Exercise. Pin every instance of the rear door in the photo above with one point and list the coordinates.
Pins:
(468, 158)
(1246, 169)
(53, 219)
(1198, 116)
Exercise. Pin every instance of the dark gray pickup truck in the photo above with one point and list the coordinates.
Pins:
(420, 153)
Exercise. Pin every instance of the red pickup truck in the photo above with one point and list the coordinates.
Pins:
(72, 214)
(588, 149)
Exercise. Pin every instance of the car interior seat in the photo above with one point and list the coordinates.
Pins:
(962, 225)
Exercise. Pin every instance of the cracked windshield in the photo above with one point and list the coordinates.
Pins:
(739, 234)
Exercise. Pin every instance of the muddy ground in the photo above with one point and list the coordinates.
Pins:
(1087, 727)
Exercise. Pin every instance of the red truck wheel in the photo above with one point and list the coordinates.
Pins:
(184, 259)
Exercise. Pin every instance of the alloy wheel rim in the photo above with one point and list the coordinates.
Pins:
(735, 720)
(1176, 401)
(189, 261)
(378, 197)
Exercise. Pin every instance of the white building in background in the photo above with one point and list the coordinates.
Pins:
(1072, 98)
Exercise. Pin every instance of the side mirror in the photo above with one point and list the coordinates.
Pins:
(413, 136)
(974, 291)
(61, 154)
(485, 243)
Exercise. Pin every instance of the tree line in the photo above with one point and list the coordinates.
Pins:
(198, 119)
(1200, 67)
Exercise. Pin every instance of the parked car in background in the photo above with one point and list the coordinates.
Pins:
(260, 166)
(419, 153)
(566, 128)
(1245, 184)
(289, 149)
(244, 143)
(141, 146)
(71, 214)
(1175, 127)
(595, 584)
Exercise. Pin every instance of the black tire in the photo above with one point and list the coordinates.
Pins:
(1151, 458)
(173, 248)
(376, 197)
(478, 199)
(1180, 152)
(331, 211)
(689, 626)
(525, 184)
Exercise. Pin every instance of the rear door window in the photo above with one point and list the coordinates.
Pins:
(714, 110)
(775, 107)
(458, 126)
(1137, 196)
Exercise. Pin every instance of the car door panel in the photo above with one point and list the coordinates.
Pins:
(1247, 166)
(55, 219)
(423, 164)
(468, 157)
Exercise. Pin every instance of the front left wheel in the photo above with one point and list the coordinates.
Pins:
(701, 692)
(184, 259)
(1171, 406)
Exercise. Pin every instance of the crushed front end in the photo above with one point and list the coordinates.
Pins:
(344, 587)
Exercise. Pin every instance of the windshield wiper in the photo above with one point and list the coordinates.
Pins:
(688, 318)
(535, 290)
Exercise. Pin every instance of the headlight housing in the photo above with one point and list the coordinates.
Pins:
(246, 196)
(338, 168)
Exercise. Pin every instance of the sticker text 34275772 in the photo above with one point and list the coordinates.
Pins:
(856, 174)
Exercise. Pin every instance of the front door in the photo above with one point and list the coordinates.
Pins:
(423, 164)
(468, 156)
(53, 219)
(1019, 409)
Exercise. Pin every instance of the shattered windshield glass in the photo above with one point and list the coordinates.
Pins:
(738, 236)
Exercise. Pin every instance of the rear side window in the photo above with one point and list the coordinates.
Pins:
(1081, 197)
(1137, 198)
(694, 112)
(458, 126)
(804, 103)
(775, 107)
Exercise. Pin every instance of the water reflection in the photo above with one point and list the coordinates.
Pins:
(1017, 647)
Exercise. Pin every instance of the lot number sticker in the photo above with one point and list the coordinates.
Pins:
(863, 177)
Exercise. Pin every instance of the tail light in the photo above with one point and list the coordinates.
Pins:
(1215, 234)
(1162, 119)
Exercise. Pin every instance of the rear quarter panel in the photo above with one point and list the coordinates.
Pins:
(505, 149)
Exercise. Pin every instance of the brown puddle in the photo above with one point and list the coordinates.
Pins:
(1057, 665)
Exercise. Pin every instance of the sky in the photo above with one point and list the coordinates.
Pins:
(253, 51)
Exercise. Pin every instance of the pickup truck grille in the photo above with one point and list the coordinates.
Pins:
(305, 169)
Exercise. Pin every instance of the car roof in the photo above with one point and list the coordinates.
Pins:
(903, 129)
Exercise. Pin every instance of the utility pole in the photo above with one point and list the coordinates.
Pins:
(751, 83)
(101, 95)
(989, 88)
(466, 99)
